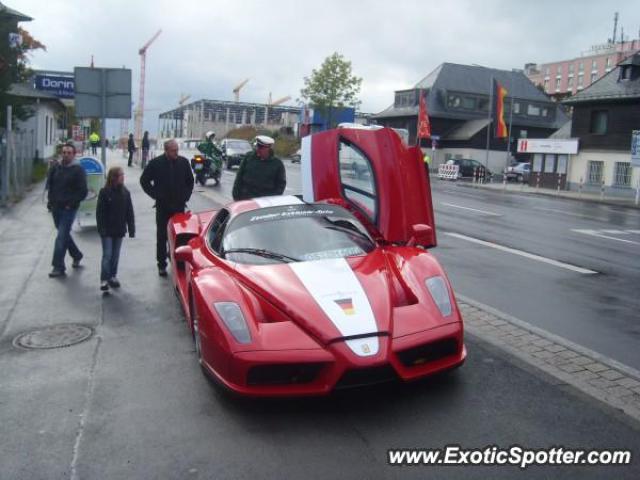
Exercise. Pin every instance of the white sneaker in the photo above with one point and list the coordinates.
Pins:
(104, 286)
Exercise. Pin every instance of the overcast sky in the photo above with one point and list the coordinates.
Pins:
(208, 47)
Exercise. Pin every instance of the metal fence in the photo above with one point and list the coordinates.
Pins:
(17, 154)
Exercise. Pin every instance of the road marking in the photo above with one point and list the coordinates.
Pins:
(564, 212)
(460, 194)
(615, 232)
(594, 233)
(530, 256)
(634, 231)
(484, 212)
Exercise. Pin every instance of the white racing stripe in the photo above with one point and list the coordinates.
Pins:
(277, 201)
(336, 289)
(531, 256)
(484, 212)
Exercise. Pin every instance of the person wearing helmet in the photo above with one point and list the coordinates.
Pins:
(261, 173)
(212, 153)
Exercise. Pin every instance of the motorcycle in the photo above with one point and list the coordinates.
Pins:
(204, 168)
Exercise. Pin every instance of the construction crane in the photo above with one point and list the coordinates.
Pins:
(140, 109)
(280, 100)
(236, 90)
(183, 99)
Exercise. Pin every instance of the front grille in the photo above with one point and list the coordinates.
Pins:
(367, 376)
(429, 352)
(283, 374)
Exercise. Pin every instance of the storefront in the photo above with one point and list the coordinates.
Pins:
(550, 160)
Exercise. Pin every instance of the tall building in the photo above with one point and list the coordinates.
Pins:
(564, 78)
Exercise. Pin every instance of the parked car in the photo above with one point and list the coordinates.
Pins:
(468, 167)
(285, 296)
(519, 172)
(296, 157)
(233, 151)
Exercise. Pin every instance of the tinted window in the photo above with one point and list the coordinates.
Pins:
(301, 232)
(217, 230)
(357, 179)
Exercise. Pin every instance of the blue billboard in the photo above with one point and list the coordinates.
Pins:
(59, 85)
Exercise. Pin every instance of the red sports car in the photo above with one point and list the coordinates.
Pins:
(291, 296)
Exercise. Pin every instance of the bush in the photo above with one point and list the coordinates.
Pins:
(39, 172)
(285, 146)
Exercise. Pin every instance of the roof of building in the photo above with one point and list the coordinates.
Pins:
(467, 130)
(611, 86)
(563, 132)
(26, 90)
(10, 12)
(451, 78)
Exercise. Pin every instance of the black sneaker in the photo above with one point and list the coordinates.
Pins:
(162, 271)
(114, 283)
(104, 286)
(56, 273)
(76, 262)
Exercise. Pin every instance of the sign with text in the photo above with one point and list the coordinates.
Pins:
(59, 85)
(635, 148)
(103, 92)
(547, 145)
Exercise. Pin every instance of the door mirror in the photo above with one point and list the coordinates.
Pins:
(184, 254)
(421, 235)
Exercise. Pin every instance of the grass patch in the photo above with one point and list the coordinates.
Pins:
(39, 172)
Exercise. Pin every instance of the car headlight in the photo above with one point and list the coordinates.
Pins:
(233, 319)
(440, 293)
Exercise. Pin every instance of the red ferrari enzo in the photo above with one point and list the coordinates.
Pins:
(301, 296)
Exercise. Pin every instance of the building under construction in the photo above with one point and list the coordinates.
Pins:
(196, 118)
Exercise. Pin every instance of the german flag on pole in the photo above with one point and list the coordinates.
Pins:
(500, 93)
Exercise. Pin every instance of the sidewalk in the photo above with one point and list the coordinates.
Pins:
(521, 188)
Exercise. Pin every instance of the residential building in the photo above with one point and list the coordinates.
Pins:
(604, 116)
(458, 100)
(561, 79)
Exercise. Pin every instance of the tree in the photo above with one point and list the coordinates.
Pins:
(332, 86)
(14, 66)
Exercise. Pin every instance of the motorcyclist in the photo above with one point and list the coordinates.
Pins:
(213, 154)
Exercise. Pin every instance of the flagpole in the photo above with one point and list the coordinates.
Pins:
(418, 121)
(486, 160)
(510, 121)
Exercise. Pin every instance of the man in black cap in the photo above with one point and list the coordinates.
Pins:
(260, 173)
(169, 181)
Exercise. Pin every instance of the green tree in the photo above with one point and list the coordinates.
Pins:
(332, 86)
(14, 66)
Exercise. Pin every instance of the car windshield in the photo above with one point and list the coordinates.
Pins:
(239, 145)
(295, 233)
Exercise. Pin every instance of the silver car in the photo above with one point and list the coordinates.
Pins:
(519, 172)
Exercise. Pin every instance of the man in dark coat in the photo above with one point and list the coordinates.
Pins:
(67, 185)
(131, 148)
(260, 173)
(169, 181)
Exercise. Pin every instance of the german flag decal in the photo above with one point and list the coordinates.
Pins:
(346, 304)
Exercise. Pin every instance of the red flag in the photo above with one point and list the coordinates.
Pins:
(500, 92)
(424, 127)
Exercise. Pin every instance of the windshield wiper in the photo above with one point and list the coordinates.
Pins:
(347, 227)
(261, 252)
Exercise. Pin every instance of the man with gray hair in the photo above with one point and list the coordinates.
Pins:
(169, 181)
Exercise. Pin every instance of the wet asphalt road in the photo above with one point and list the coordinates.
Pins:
(132, 402)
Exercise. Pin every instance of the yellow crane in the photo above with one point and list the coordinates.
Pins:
(236, 90)
(281, 100)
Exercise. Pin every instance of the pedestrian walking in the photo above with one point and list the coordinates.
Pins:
(67, 187)
(131, 148)
(169, 181)
(114, 217)
(94, 140)
(145, 149)
(261, 173)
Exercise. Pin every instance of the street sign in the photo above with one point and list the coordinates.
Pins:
(103, 92)
(635, 148)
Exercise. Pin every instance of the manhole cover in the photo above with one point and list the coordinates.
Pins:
(57, 336)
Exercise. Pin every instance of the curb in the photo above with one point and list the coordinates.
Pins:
(598, 376)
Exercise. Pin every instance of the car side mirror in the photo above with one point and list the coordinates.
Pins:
(184, 254)
(421, 234)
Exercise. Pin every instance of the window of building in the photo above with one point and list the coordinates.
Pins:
(537, 162)
(594, 175)
(546, 71)
(549, 163)
(483, 104)
(594, 65)
(581, 67)
(469, 103)
(580, 81)
(562, 164)
(594, 77)
(454, 101)
(405, 99)
(545, 112)
(571, 69)
(516, 107)
(622, 174)
(598, 122)
(533, 110)
(608, 62)
(46, 129)
(557, 85)
(523, 134)
(570, 83)
(546, 85)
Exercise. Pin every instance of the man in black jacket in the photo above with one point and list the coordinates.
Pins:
(169, 181)
(260, 173)
(67, 185)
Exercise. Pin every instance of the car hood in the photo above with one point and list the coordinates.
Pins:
(329, 299)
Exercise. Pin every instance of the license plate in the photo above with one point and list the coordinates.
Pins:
(199, 166)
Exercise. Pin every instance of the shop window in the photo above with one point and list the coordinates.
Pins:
(595, 172)
(622, 174)
(562, 164)
(549, 163)
(537, 162)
